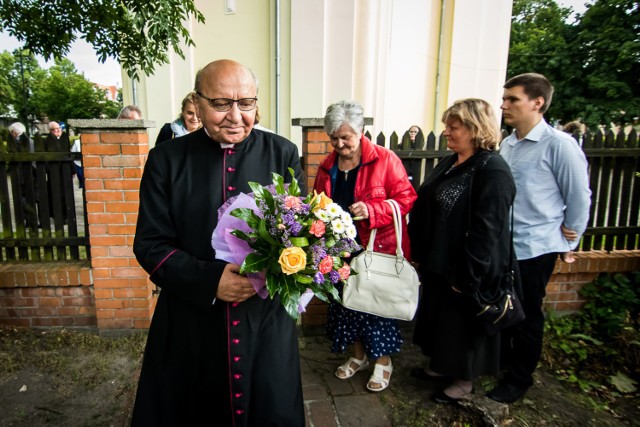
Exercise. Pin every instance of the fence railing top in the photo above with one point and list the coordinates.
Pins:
(111, 124)
(318, 122)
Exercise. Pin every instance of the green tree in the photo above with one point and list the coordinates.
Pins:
(66, 94)
(609, 41)
(137, 33)
(20, 76)
(540, 43)
(593, 63)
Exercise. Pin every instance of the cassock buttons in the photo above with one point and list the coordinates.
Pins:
(235, 304)
(235, 322)
(238, 395)
(230, 169)
(236, 341)
(236, 359)
(231, 188)
(239, 412)
(237, 376)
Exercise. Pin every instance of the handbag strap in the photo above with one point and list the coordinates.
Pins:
(397, 225)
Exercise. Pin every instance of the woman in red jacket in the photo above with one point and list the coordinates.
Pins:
(360, 176)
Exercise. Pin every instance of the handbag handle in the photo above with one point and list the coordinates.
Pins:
(397, 218)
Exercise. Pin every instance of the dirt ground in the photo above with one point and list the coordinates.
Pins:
(65, 378)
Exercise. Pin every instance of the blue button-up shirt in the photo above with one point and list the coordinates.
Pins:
(552, 189)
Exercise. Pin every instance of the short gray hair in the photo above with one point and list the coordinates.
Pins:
(18, 128)
(344, 113)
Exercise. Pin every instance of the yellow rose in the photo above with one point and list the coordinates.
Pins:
(323, 200)
(292, 260)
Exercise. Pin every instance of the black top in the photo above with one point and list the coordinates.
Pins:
(470, 248)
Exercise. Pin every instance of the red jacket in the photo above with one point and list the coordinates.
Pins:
(381, 176)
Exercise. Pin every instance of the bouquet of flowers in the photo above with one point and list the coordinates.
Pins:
(287, 245)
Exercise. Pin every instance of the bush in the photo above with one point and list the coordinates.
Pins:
(601, 344)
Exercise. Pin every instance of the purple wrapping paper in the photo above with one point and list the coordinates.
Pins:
(234, 250)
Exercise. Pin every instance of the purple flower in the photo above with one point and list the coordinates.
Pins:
(295, 228)
(334, 276)
(318, 278)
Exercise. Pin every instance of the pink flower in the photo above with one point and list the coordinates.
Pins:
(317, 228)
(326, 265)
(344, 271)
(292, 203)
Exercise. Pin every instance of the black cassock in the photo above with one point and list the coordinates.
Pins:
(209, 363)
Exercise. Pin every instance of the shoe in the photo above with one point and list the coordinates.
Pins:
(507, 393)
(378, 377)
(420, 374)
(441, 397)
(348, 371)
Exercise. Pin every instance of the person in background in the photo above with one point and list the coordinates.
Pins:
(460, 239)
(21, 143)
(56, 141)
(359, 176)
(77, 164)
(551, 212)
(130, 112)
(216, 350)
(186, 122)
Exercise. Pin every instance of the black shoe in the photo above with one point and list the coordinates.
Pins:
(420, 374)
(441, 397)
(507, 393)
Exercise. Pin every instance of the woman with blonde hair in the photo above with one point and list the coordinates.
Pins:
(187, 121)
(460, 238)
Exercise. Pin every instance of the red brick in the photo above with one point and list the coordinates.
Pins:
(108, 241)
(142, 149)
(124, 138)
(104, 196)
(121, 251)
(89, 138)
(104, 150)
(122, 184)
(104, 173)
(47, 321)
(114, 303)
(122, 207)
(110, 262)
(132, 172)
(111, 323)
(316, 135)
(93, 184)
(122, 229)
(123, 161)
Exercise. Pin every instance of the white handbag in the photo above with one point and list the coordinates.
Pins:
(385, 285)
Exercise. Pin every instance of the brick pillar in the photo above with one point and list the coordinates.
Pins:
(114, 153)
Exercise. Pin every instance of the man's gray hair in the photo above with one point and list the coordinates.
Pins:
(344, 113)
(18, 128)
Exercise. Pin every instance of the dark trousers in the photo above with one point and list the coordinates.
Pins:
(522, 344)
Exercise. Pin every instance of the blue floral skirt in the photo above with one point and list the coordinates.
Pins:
(379, 336)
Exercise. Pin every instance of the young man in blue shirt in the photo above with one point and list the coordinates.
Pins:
(551, 211)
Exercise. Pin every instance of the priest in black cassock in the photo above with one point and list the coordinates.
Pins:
(217, 354)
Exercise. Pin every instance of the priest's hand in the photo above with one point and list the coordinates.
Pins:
(232, 286)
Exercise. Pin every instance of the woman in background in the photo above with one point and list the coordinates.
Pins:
(186, 122)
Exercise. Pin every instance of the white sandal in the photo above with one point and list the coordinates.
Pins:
(378, 377)
(348, 370)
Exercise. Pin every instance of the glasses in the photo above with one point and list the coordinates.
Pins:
(224, 104)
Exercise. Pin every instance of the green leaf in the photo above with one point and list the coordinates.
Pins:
(623, 383)
(254, 263)
(299, 242)
(278, 181)
(241, 235)
(303, 278)
(294, 188)
(264, 234)
(248, 216)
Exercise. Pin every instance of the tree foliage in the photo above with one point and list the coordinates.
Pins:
(136, 33)
(58, 93)
(592, 62)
